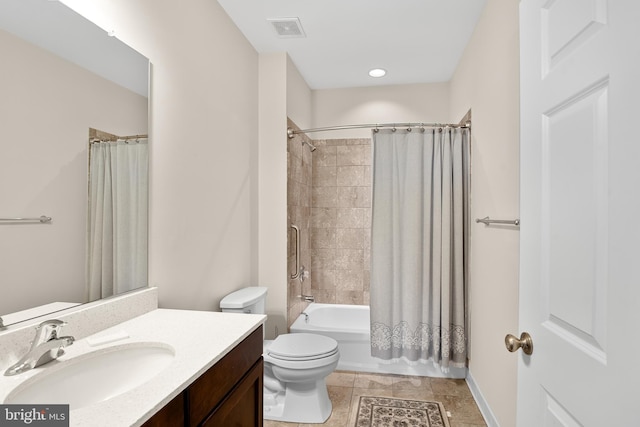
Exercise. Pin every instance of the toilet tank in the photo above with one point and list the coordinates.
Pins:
(246, 300)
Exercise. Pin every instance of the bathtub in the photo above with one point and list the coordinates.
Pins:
(349, 325)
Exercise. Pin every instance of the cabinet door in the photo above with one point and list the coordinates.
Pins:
(211, 389)
(243, 406)
(171, 415)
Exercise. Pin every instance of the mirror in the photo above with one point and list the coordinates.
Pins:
(61, 76)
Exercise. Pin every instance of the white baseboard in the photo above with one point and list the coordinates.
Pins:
(489, 418)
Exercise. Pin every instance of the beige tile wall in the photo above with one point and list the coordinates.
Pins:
(341, 220)
(329, 199)
(299, 163)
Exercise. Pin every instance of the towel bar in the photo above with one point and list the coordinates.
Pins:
(43, 219)
(488, 221)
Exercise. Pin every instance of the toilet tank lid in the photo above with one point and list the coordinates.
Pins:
(244, 297)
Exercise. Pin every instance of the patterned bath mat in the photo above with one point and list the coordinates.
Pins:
(391, 412)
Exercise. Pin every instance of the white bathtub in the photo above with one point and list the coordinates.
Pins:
(349, 325)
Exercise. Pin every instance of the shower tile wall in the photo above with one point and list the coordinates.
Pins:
(298, 213)
(341, 220)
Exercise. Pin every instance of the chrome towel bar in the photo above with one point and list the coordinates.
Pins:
(488, 221)
(43, 219)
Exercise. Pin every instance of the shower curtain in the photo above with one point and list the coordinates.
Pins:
(418, 238)
(117, 226)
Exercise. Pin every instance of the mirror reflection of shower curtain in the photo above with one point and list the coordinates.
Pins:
(419, 227)
(118, 207)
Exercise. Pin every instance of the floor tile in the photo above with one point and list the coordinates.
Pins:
(461, 409)
(270, 423)
(340, 400)
(345, 389)
(402, 382)
(450, 387)
(365, 380)
(341, 378)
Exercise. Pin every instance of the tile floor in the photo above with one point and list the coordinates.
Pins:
(345, 389)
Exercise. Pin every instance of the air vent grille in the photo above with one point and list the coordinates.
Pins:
(287, 27)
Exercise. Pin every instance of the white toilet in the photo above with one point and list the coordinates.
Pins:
(295, 366)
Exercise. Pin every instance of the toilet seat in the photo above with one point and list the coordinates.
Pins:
(302, 347)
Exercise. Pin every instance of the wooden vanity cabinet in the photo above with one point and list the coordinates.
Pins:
(228, 394)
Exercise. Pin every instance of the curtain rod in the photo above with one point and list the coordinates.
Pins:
(467, 125)
(118, 138)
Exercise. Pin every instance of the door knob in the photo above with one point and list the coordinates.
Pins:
(525, 342)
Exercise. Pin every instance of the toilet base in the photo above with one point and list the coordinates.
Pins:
(299, 403)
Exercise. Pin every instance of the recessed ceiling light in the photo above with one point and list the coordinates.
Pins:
(377, 72)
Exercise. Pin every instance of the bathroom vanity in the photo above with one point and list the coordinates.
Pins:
(229, 393)
(211, 370)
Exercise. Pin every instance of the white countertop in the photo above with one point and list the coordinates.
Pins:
(199, 338)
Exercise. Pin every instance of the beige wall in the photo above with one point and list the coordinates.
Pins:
(378, 104)
(299, 167)
(272, 266)
(282, 93)
(298, 97)
(48, 105)
(486, 81)
(204, 145)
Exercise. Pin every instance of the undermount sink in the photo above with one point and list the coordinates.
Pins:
(94, 377)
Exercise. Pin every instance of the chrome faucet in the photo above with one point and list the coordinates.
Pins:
(46, 346)
(308, 298)
(306, 317)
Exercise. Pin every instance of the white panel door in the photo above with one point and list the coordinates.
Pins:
(580, 213)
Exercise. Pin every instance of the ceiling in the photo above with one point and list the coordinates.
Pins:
(415, 41)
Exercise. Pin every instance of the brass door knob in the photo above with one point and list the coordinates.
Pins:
(525, 342)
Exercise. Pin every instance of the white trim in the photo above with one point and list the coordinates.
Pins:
(487, 414)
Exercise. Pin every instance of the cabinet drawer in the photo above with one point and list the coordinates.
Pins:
(211, 388)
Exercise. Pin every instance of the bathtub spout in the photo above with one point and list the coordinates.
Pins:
(308, 298)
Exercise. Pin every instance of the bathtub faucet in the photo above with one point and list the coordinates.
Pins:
(306, 317)
(308, 298)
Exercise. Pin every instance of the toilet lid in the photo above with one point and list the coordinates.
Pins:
(302, 346)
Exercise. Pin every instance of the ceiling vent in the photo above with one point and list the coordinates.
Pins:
(287, 27)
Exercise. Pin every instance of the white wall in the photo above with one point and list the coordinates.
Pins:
(204, 136)
(487, 81)
(47, 107)
(378, 104)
